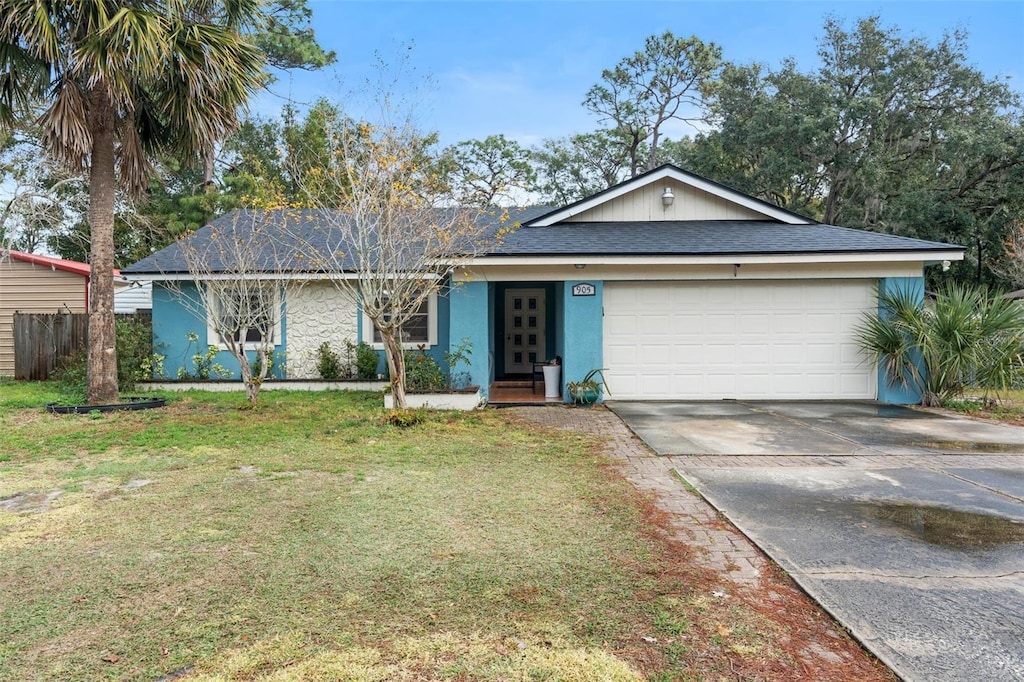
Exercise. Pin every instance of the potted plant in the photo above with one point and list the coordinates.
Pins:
(589, 390)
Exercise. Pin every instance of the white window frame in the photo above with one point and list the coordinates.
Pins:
(213, 336)
(368, 328)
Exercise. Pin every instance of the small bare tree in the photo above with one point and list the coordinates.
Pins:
(389, 232)
(243, 275)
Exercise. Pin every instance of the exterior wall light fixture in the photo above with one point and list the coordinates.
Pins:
(667, 197)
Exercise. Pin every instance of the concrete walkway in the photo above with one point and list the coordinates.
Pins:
(718, 544)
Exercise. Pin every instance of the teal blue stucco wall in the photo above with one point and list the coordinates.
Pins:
(888, 391)
(468, 318)
(175, 317)
(583, 332)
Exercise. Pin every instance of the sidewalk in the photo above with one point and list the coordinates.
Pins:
(718, 544)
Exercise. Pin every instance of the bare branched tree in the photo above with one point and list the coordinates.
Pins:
(242, 275)
(1011, 266)
(390, 234)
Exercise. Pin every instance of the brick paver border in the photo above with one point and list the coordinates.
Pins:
(719, 545)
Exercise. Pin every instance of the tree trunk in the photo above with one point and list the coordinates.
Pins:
(395, 357)
(102, 359)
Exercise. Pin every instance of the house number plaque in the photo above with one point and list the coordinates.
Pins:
(584, 289)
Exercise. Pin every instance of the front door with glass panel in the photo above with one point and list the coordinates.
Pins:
(524, 330)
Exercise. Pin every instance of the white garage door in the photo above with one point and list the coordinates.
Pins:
(753, 340)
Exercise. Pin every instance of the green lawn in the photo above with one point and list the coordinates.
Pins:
(306, 539)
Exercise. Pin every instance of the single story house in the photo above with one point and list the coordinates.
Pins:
(679, 287)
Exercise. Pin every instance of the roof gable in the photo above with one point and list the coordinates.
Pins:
(695, 198)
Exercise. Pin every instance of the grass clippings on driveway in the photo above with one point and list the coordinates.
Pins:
(308, 540)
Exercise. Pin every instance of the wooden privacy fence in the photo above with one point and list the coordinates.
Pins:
(42, 340)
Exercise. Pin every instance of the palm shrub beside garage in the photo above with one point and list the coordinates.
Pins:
(967, 338)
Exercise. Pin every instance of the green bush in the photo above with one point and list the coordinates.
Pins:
(457, 379)
(367, 361)
(328, 363)
(136, 361)
(204, 365)
(422, 373)
(73, 377)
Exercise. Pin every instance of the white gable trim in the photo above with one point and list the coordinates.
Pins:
(688, 179)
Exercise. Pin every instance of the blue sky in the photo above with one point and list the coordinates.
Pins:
(522, 68)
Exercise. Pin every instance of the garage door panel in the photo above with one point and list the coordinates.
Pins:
(621, 356)
(737, 339)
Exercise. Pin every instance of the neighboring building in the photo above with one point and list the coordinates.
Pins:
(681, 288)
(132, 297)
(30, 283)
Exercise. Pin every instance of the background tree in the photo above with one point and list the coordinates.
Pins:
(122, 84)
(668, 80)
(39, 196)
(890, 134)
(571, 168)
(287, 38)
(488, 172)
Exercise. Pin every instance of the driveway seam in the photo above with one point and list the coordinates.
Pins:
(980, 485)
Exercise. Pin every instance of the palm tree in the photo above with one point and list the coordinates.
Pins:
(967, 338)
(118, 83)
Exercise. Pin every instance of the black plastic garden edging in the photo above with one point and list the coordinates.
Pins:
(132, 403)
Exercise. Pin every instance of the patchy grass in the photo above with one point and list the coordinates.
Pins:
(1006, 407)
(309, 539)
(15, 394)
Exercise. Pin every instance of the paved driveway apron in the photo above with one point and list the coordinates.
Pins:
(907, 525)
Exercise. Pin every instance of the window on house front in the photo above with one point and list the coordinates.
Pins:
(420, 329)
(252, 313)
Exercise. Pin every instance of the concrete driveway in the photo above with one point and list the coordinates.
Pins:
(907, 525)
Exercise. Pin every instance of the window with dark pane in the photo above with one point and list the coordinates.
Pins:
(517, 322)
(517, 339)
(533, 339)
(415, 330)
(532, 304)
(517, 304)
(533, 322)
(248, 312)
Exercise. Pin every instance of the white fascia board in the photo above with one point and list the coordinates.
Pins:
(270, 277)
(628, 186)
(855, 257)
(276, 277)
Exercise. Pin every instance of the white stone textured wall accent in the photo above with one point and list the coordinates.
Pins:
(317, 312)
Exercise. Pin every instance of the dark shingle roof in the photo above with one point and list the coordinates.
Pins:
(280, 252)
(281, 248)
(703, 238)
